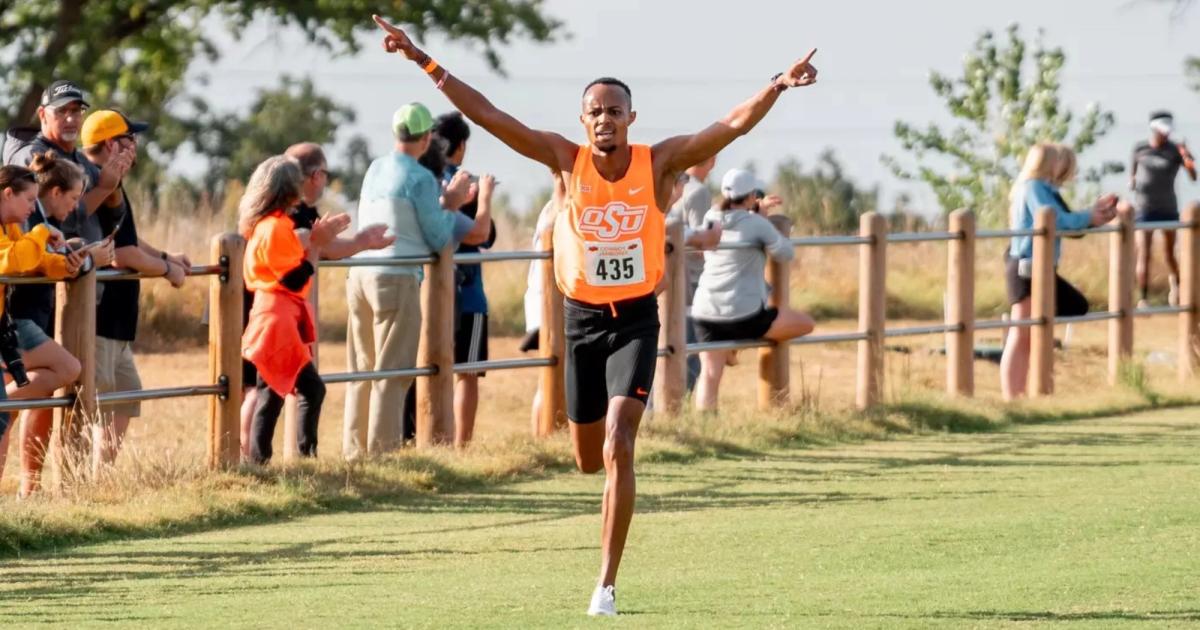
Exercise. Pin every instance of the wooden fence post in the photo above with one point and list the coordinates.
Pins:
(1041, 349)
(670, 384)
(872, 297)
(774, 369)
(75, 323)
(960, 306)
(1189, 293)
(225, 351)
(552, 344)
(1120, 293)
(435, 394)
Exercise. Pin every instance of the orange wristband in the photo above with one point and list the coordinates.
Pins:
(431, 66)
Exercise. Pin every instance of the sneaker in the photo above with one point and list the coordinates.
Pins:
(604, 602)
(1142, 303)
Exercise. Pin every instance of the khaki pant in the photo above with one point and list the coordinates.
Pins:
(116, 372)
(383, 330)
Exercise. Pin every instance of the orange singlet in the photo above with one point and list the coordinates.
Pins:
(610, 243)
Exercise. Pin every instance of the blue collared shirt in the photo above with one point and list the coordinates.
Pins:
(403, 195)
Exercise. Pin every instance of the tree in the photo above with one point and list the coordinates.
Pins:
(136, 52)
(1005, 101)
(278, 117)
(823, 200)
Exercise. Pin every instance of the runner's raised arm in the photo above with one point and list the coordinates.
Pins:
(681, 152)
(546, 147)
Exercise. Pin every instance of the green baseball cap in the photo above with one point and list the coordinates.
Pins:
(414, 118)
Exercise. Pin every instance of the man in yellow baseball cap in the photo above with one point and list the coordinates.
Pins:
(110, 141)
(108, 124)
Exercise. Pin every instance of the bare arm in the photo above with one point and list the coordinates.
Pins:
(681, 152)
(551, 149)
(1189, 163)
(483, 214)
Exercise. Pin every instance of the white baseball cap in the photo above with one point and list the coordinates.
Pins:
(738, 183)
(1162, 122)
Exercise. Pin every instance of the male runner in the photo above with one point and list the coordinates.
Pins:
(609, 251)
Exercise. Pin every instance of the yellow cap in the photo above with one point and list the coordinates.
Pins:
(106, 124)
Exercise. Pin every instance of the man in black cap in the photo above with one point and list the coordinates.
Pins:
(61, 116)
(1152, 178)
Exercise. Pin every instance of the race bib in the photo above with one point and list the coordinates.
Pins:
(614, 264)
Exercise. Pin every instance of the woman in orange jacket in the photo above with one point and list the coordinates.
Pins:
(48, 367)
(279, 265)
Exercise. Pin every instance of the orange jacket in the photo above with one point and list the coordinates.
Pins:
(277, 338)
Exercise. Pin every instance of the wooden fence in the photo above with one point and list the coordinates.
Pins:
(435, 369)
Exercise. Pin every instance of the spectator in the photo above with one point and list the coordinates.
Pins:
(107, 137)
(279, 265)
(315, 170)
(697, 200)
(731, 297)
(1047, 167)
(52, 188)
(1152, 178)
(533, 301)
(384, 302)
(471, 324)
(61, 116)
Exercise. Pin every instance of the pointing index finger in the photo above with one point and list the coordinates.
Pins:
(807, 58)
(384, 24)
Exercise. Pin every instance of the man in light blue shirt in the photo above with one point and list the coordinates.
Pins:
(385, 302)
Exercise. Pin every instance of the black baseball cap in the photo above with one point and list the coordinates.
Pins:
(62, 92)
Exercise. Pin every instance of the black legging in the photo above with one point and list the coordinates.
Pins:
(1068, 301)
(310, 390)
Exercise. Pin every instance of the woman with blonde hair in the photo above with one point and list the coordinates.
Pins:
(1047, 167)
(279, 265)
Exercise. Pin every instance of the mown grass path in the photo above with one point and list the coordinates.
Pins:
(1083, 524)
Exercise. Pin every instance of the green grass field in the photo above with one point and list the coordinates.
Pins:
(1090, 523)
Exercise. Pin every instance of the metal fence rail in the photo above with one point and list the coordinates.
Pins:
(1100, 316)
(1000, 324)
(918, 331)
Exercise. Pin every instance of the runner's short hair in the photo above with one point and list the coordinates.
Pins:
(610, 81)
(453, 129)
(309, 155)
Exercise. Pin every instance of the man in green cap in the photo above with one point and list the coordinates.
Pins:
(385, 302)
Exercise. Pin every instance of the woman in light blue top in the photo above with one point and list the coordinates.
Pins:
(1047, 167)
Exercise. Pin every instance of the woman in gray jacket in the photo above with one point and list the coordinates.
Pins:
(731, 299)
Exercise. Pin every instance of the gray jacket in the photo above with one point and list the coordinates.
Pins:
(732, 285)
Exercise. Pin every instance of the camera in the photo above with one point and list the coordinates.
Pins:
(9, 351)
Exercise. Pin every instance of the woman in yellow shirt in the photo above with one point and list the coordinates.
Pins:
(47, 364)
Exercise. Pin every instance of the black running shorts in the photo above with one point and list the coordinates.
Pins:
(611, 351)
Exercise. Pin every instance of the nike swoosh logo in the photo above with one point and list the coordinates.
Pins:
(634, 191)
(642, 392)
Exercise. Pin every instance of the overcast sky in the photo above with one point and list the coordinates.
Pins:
(689, 62)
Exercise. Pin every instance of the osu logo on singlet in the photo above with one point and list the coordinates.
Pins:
(612, 221)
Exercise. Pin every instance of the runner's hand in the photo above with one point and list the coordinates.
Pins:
(802, 73)
(396, 40)
(375, 237)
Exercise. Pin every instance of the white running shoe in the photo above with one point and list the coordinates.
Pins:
(604, 602)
